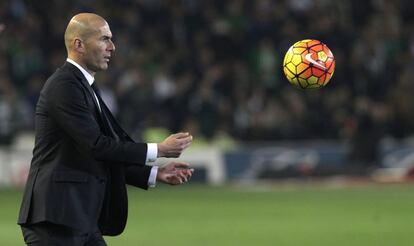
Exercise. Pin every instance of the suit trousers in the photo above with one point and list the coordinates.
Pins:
(49, 234)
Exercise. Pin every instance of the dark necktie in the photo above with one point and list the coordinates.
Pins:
(98, 95)
(96, 89)
(104, 111)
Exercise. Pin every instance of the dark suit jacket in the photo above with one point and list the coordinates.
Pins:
(79, 169)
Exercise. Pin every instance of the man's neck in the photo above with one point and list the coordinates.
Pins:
(82, 64)
(85, 73)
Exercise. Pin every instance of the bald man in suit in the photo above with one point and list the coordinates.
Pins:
(82, 159)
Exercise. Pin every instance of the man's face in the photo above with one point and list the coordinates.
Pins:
(98, 49)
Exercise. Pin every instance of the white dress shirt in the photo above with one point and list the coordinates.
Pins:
(152, 148)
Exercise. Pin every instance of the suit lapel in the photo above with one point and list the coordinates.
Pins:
(118, 129)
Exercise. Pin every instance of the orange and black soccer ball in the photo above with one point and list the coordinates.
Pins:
(309, 63)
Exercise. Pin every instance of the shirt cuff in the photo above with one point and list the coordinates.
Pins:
(152, 180)
(152, 152)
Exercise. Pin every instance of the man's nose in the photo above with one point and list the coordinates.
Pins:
(112, 46)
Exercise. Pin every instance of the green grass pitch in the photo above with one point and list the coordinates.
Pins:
(202, 215)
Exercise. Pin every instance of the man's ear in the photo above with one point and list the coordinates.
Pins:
(78, 45)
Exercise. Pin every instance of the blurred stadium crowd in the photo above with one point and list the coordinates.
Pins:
(214, 68)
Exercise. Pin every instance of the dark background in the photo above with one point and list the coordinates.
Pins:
(214, 67)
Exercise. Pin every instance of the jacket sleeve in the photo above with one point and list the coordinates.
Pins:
(67, 105)
(138, 176)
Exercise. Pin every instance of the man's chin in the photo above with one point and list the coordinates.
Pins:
(104, 66)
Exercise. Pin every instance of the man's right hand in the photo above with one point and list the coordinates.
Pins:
(174, 145)
(175, 173)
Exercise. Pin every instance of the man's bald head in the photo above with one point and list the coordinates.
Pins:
(88, 40)
(82, 26)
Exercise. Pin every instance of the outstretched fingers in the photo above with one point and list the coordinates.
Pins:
(180, 165)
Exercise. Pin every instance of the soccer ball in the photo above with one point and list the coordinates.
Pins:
(309, 63)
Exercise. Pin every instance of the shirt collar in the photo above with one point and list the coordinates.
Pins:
(87, 75)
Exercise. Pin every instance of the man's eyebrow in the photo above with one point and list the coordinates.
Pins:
(106, 36)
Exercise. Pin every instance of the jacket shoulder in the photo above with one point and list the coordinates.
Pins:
(62, 86)
(62, 78)
(61, 75)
